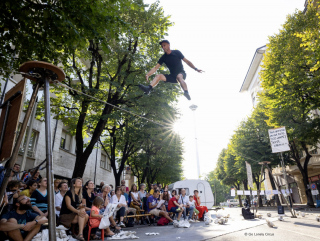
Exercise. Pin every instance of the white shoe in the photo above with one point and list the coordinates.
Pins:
(191, 220)
(121, 224)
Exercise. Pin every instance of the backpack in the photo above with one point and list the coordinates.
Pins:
(130, 220)
(163, 221)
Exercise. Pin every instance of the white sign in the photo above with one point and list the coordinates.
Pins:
(279, 140)
(249, 174)
(254, 193)
(275, 192)
(268, 192)
(314, 192)
(233, 192)
(246, 192)
(262, 192)
(239, 192)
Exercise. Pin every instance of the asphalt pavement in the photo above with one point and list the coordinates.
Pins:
(300, 228)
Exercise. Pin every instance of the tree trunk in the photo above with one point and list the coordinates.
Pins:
(245, 185)
(274, 188)
(239, 197)
(257, 182)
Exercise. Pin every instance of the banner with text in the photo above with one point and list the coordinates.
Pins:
(279, 140)
(249, 174)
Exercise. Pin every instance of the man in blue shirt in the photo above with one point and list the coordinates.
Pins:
(172, 59)
(152, 203)
(21, 224)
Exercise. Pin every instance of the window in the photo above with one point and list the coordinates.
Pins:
(31, 147)
(65, 141)
(314, 151)
(105, 162)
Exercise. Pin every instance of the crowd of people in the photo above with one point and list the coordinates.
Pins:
(78, 204)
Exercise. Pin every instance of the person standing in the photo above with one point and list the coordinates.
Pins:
(173, 60)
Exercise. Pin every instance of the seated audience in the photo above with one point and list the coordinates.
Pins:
(119, 199)
(72, 210)
(192, 203)
(88, 195)
(123, 183)
(32, 185)
(166, 197)
(22, 223)
(95, 217)
(135, 200)
(56, 184)
(39, 198)
(15, 173)
(184, 201)
(201, 209)
(175, 207)
(152, 204)
(143, 195)
(63, 188)
(12, 193)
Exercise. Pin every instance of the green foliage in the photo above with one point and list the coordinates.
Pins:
(51, 30)
(221, 192)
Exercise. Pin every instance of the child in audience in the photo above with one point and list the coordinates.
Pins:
(95, 217)
(192, 204)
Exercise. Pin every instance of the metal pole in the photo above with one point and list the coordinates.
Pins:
(95, 168)
(52, 215)
(33, 114)
(13, 158)
(285, 179)
(291, 210)
(4, 90)
(193, 108)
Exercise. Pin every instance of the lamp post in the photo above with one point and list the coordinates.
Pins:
(193, 108)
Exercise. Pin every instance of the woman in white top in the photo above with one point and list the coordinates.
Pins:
(135, 199)
(119, 199)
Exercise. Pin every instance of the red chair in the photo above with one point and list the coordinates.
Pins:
(91, 227)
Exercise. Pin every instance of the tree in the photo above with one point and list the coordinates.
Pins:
(51, 30)
(221, 192)
(290, 80)
(110, 70)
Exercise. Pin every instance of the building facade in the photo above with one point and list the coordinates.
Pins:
(98, 167)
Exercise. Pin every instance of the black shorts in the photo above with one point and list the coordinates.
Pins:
(170, 78)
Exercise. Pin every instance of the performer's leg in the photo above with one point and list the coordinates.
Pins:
(157, 79)
(153, 83)
(183, 86)
(182, 82)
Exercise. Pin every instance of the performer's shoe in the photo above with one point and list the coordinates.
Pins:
(186, 94)
(146, 89)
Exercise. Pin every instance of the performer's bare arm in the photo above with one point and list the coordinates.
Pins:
(152, 71)
(191, 65)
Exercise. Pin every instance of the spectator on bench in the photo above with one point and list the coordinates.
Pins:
(175, 207)
(39, 198)
(32, 185)
(152, 203)
(63, 188)
(119, 199)
(22, 223)
(184, 201)
(72, 210)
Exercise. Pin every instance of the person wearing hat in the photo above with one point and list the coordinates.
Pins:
(172, 59)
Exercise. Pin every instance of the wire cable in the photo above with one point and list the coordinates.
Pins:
(107, 103)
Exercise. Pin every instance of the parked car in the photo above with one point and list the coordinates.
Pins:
(233, 202)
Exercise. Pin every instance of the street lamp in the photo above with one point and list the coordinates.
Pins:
(193, 108)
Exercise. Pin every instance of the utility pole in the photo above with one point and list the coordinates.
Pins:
(193, 108)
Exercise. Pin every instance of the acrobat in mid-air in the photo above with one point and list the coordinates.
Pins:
(172, 59)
